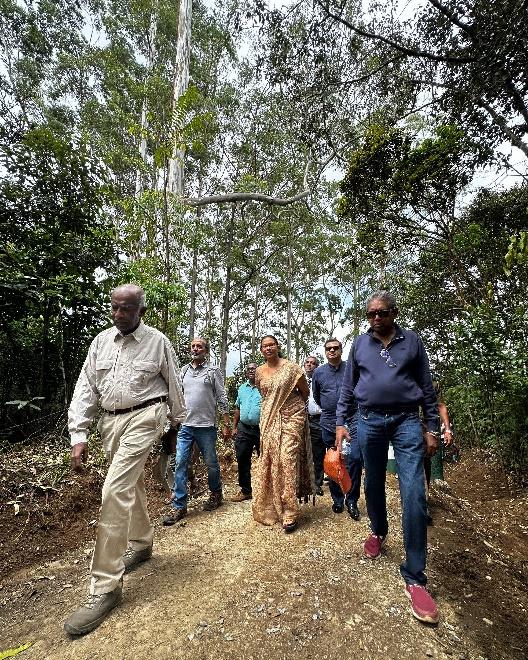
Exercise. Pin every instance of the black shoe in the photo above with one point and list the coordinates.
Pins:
(352, 509)
(290, 527)
(172, 518)
(319, 491)
(429, 517)
(338, 508)
(213, 502)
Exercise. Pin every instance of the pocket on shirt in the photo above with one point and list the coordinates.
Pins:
(103, 365)
(142, 372)
(102, 379)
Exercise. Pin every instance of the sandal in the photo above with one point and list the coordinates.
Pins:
(290, 527)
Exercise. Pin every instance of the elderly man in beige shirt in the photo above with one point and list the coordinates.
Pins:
(131, 371)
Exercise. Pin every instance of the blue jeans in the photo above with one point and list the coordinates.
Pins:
(205, 438)
(374, 430)
(353, 464)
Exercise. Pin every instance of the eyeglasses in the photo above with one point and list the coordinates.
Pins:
(382, 313)
(384, 353)
(332, 348)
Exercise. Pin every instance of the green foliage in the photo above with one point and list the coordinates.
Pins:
(54, 237)
(473, 318)
(162, 297)
(489, 395)
(517, 251)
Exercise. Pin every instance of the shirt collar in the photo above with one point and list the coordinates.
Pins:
(204, 365)
(400, 333)
(338, 366)
(138, 333)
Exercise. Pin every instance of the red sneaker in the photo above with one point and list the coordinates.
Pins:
(423, 606)
(372, 546)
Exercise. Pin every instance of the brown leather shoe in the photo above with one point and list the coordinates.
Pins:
(241, 496)
(172, 518)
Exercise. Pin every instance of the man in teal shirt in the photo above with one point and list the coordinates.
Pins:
(246, 430)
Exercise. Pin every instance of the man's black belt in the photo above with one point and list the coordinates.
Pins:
(314, 416)
(145, 404)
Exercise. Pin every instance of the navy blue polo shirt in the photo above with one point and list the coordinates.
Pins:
(326, 387)
(398, 383)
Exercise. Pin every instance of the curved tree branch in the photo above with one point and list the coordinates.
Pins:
(497, 119)
(245, 197)
(236, 197)
(503, 125)
(406, 50)
(369, 74)
(453, 17)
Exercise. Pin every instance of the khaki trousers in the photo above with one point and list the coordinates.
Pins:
(127, 440)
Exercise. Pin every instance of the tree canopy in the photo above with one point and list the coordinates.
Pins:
(264, 170)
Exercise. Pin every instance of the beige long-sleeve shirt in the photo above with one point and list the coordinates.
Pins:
(123, 371)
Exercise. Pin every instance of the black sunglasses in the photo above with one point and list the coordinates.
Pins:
(382, 313)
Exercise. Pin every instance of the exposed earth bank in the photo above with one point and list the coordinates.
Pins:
(221, 586)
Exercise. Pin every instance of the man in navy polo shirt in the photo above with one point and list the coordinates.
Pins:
(246, 420)
(326, 386)
(388, 374)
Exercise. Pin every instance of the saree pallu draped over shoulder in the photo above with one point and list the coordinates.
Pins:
(285, 472)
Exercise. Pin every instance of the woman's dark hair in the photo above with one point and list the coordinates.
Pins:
(274, 339)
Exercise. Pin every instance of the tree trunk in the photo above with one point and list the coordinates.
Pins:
(209, 304)
(288, 307)
(357, 304)
(167, 253)
(224, 339)
(194, 280)
(181, 81)
(255, 328)
(44, 346)
(194, 272)
(66, 393)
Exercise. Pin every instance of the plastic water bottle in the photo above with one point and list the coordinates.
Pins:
(345, 448)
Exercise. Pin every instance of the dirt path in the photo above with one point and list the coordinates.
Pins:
(219, 586)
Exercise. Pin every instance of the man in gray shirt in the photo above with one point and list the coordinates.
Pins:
(204, 391)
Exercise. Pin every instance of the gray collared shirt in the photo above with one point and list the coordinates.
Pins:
(204, 390)
(121, 371)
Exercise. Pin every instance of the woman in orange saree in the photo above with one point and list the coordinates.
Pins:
(285, 473)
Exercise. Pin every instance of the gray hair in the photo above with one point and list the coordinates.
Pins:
(135, 290)
(314, 357)
(384, 295)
